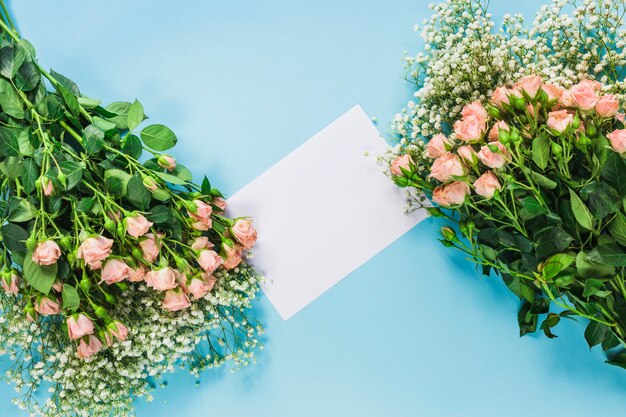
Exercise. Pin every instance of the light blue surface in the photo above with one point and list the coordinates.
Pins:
(415, 331)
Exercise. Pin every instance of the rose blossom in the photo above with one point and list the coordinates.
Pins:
(175, 300)
(475, 109)
(79, 326)
(451, 194)
(150, 247)
(494, 159)
(47, 307)
(487, 184)
(560, 120)
(162, 279)
(470, 128)
(403, 162)
(201, 242)
(447, 166)
(93, 346)
(209, 260)
(167, 162)
(618, 140)
(554, 92)
(531, 84)
(500, 96)
(199, 288)
(244, 232)
(119, 330)
(115, 270)
(437, 146)
(137, 225)
(48, 187)
(46, 253)
(583, 95)
(202, 215)
(12, 286)
(136, 274)
(607, 106)
(94, 250)
(467, 154)
(233, 256)
(58, 285)
(494, 134)
(220, 203)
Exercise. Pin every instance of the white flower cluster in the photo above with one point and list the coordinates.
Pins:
(212, 331)
(466, 56)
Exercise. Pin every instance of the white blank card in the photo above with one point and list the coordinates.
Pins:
(322, 211)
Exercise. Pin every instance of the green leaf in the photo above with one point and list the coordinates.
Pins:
(530, 208)
(22, 213)
(14, 237)
(40, 277)
(12, 166)
(9, 144)
(609, 254)
(71, 299)
(11, 59)
(610, 342)
(28, 77)
(85, 204)
(543, 181)
(159, 214)
(618, 228)
(30, 173)
(65, 82)
(138, 194)
(588, 268)
(526, 319)
(206, 186)
(614, 172)
(161, 194)
(595, 333)
(595, 287)
(601, 198)
(581, 212)
(555, 264)
(170, 178)
(74, 172)
(550, 321)
(135, 115)
(550, 241)
(70, 100)
(132, 146)
(10, 101)
(158, 137)
(182, 173)
(89, 103)
(93, 139)
(120, 108)
(116, 181)
(541, 151)
(521, 289)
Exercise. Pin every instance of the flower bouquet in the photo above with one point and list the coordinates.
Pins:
(114, 271)
(522, 150)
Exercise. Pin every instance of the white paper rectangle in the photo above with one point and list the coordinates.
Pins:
(322, 211)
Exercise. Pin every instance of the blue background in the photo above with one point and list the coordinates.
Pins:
(415, 331)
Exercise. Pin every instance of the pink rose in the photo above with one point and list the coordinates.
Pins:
(47, 307)
(475, 109)
(621, 117)
(447, 166)
(437, 146)
(31, 315)
(593, 84)
(89, 348)
(470, 128)
(162, 279)
(167, 162)
(494, 159)
(209, 260)
(136, 274)
(94, 250)
(554, 92)
(244, 233)
(618, 140)
(607, 106)
(487, 184)
(500, 96)
(202, 215)
(119, 330)
(560, 120)
(175, 301)
(531, 84)
(220, 203)
(233, 256)
(79, 326)
(46, 253)
(114, 271)
(150, 183)
(468, 155)
(137, 225)
(150, 247)
(58, 285)
(451, 194)
(199, 288)
(583, 95)
(401, 162)
(494, 134)
(201, 242)
(11, 283)
(48, 187)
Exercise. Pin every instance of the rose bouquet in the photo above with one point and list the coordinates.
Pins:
(114, 271)
(524, 157)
